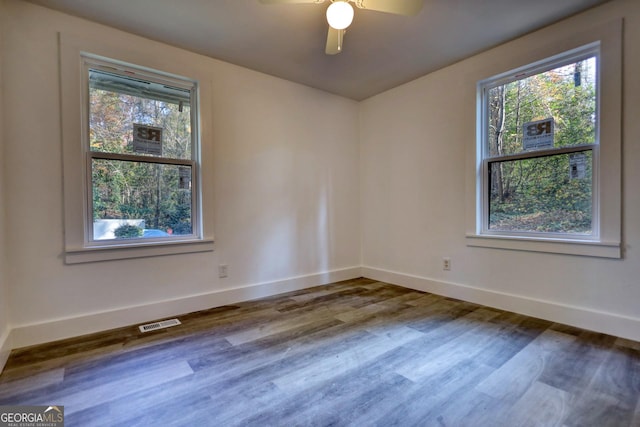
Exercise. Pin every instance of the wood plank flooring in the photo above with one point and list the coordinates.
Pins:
(353, 353)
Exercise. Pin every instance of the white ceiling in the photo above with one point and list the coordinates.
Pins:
(380, 52)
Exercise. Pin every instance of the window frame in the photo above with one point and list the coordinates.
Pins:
(145, 57)
(565, 58)
(91, 62)
(531, 49)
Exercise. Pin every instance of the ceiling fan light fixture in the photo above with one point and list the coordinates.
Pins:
(340, 14)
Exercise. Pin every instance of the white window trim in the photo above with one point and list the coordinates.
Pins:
(565, 58)
(78, 246)
(607, 199)
(92, 62)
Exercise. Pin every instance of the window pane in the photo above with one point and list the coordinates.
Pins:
(128, 115)
(140, 200)
(545, 194)
(567, 94)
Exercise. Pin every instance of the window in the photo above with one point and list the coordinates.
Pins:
(544, 172)
(133, 157)
(540, 149)
(141, 155)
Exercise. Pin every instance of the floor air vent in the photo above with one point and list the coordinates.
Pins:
(159, 325)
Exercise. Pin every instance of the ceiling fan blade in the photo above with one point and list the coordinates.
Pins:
(334, 41)
(290, 1)
(399, 7)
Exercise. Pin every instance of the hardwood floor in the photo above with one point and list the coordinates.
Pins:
(359, 353)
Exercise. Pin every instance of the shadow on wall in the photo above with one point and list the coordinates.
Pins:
(300, 241)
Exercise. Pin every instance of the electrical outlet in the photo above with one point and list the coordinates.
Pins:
(446, 263)
(223, 271)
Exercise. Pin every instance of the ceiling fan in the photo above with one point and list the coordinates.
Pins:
(340, 15)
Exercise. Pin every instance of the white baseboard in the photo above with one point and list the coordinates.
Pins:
(26, 335)
(598, 321)
(5, 347)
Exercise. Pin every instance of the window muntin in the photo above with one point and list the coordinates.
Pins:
(549, 190)
(141, 146)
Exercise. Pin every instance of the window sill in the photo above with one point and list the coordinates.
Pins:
(142, 250)
(555, 246)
